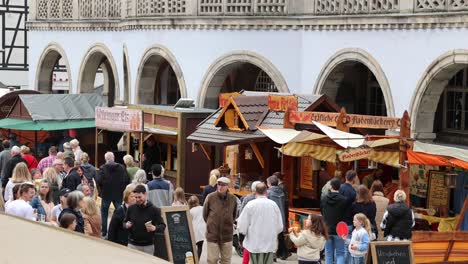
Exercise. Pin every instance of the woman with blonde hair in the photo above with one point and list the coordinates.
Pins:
(92, 218)
(50, 174)
(89, 171)
(179, 197)
(398, 219)
(117, 233)
(131, 167)
(211, 187)
(20, 174)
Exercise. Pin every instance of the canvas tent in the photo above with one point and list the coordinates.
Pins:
(47, 112)
(47, 244)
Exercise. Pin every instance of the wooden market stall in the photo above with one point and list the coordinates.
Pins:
(233, 136)
(42, 114)
(169, 126)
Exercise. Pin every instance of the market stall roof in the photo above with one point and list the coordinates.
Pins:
(344, 139)
(438, 155)
(8, 99)
(52, 112)
(69, 247)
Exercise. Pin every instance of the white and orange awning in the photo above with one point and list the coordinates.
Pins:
(315, 151)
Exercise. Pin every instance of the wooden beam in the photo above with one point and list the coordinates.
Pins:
(462, 214)
(258, 154)
(206, 151)
(405, 133)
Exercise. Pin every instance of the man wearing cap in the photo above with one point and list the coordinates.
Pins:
(219, 212)
(56, 210)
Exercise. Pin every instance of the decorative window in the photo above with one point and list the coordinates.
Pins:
(455, 98)
(264, 83)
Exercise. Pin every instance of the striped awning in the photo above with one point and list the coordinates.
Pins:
(316, 151)
(390, 158)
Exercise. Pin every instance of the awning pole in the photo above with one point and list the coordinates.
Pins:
(96, 148)
(140, 149)
(35, 141)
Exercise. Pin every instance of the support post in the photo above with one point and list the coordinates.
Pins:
(96, 147)
(258, 154)
(405, 133)
(140, 149)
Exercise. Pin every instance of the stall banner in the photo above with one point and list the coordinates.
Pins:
(351, 120)
(419, 179)
(224, 98)
(353, 154)
(119, 119)
(283, 103)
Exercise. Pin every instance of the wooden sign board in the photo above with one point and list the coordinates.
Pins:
(179, 235)
(390, 252)
(119, 119)
(355, 154)
(284, 103)
(224, 98)
(437, 193)
(351, 120)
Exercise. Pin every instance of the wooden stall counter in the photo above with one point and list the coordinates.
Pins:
(438, 247)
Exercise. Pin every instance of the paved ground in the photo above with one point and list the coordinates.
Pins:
(238, 260)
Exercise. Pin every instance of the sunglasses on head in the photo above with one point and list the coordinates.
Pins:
(222, 184)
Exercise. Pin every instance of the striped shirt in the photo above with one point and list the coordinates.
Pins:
(46, 162)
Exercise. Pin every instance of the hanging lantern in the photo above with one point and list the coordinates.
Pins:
(451, 180)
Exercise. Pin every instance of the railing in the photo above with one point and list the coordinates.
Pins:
(121, 9)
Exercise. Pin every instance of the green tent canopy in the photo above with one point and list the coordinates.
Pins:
(22, 124)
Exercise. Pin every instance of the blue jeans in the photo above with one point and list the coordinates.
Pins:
(334, 247)
(347, 257)
(105, 204)
(357, 260)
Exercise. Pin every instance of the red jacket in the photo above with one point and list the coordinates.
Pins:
(31, 161)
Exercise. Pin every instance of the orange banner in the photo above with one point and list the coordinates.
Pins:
(224, 98)
(351, 120)
(282, 103)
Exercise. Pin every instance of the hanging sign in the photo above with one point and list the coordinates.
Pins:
(119, 119)
(355, 154)
(281, 103)
(351, 120)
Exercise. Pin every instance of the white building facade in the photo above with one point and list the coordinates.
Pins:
(380, 57)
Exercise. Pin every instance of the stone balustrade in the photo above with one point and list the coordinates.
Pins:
(122, 9)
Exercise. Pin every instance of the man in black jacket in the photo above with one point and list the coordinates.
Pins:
(143, 220)
(11, 164)
(72, 179)
(112, 180)
(333, 209)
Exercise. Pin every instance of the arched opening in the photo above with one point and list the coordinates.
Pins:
(440, 104)
(98, 74)
(353, 86)
(239, 71)
(160, 80)
(53, 73)
(354, 79)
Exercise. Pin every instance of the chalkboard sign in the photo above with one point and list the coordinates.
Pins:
(179, 233)
(437, 194)
(383, 252)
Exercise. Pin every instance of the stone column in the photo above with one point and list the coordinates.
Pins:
(76, 10)
(33, 11)
(407, 6)
(300, 7)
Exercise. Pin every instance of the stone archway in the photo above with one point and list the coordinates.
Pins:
(429, 90)
(219, 71)
(330, 77)
(99, 56)
(50, 57)
(156, 61)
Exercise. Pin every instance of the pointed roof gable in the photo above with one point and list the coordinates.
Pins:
(249, 110)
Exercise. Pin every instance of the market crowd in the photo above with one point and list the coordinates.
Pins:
(65, 190)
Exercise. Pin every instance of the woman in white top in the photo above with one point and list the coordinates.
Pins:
(198, 223)
(20, 174)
